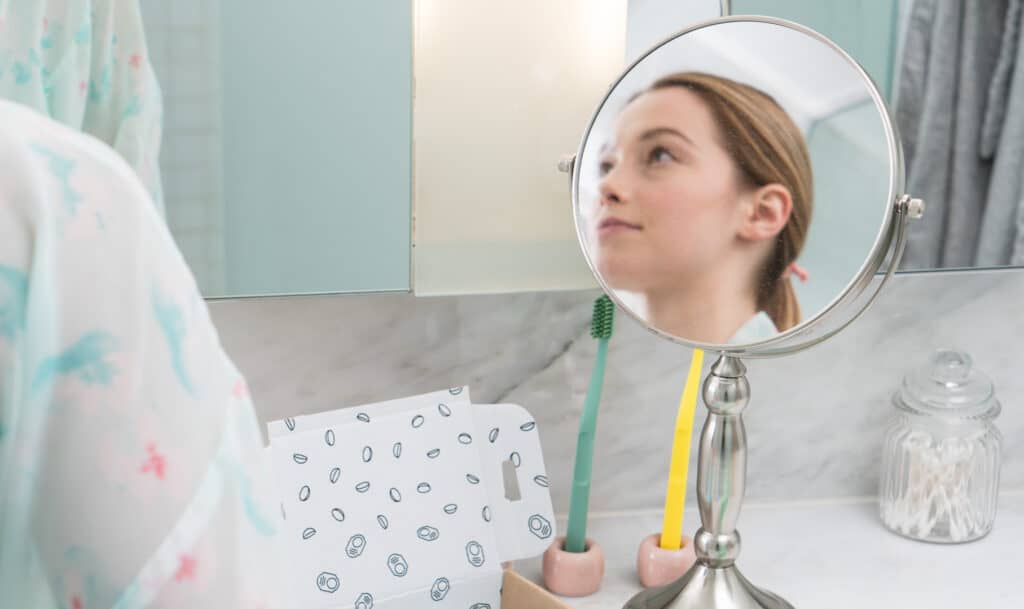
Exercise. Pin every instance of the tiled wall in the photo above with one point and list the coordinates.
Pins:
(814, 424)
(184, 47)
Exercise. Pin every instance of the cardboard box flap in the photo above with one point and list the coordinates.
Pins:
(475, 591)
(362, 413)
(517, 592)
(516, 479)
(408, 501)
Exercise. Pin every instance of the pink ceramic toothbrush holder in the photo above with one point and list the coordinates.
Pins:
(657, 566)
(573, 573)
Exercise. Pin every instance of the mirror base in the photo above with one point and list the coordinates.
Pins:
(722, 588)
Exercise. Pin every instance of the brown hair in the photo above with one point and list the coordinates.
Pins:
(767, 148)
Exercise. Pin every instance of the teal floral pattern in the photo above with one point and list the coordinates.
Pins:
(85, 63)
(132, 468)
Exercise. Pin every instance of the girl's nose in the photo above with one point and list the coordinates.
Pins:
(612, 187)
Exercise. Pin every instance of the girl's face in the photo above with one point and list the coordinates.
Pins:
(670, 200)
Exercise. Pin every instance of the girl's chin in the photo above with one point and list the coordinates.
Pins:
(623, 272)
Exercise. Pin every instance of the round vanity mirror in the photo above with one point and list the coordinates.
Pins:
(740, 186)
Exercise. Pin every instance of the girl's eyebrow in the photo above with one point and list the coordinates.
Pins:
(655, 132)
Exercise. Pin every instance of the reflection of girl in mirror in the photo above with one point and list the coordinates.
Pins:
(705, 200)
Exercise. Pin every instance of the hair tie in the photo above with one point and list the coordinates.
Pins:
(799, 271)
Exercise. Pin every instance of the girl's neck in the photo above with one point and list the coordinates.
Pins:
(707, 309)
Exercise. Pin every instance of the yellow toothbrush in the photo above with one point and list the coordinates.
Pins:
(675, 495)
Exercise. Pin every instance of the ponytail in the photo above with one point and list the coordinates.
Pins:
(775, 294)
(781, 305)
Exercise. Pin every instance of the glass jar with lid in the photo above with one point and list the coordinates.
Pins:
(942, 453)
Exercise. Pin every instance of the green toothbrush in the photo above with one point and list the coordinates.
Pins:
(601, 329)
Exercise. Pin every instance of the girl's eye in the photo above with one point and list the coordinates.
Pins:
(660, 154)
(605, 167)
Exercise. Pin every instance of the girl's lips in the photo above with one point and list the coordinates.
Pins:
(614, 225)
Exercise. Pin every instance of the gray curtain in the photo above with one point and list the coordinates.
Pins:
(958, 101)
(1002, 230)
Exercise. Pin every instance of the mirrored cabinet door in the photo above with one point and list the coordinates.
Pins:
(317, 159)
(286, 157)
(377, 146)
(412, 145)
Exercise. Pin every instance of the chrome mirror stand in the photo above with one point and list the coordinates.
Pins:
(715, 582)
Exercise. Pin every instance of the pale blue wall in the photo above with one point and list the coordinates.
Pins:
(317, 109)
(866, 29)
(851, 183)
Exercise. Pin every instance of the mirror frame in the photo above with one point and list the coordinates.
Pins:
(855, 298)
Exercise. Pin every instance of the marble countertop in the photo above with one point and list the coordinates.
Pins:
(834, 555)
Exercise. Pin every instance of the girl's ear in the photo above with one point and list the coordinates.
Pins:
(767, 214)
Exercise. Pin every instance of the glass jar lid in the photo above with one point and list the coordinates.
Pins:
(949, 386)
